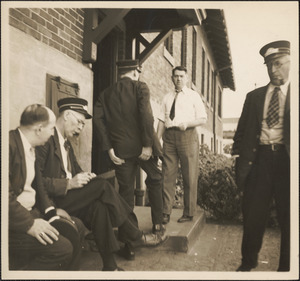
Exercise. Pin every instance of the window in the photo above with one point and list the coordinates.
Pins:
(203, 73)
(220, 103)
(169, 44)
(213, 79)
(208, 81)
(202, 138)
(183, 46)
(212, 144)
(194, 56)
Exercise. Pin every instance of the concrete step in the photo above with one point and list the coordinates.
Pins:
(181, 235)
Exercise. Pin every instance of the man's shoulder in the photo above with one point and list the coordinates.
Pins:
(258, 91)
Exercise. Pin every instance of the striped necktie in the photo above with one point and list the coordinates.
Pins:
(273, 109)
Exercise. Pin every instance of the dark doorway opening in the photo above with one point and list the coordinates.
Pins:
(104, 76)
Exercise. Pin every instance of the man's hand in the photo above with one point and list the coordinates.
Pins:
(80, 180)
(146, 153)
(182, 126)
(63, 213)
(116, 160)
(43, 231)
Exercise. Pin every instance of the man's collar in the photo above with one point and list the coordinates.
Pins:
(283, 88)
(184, 89)
(60, 137)
(26, 144)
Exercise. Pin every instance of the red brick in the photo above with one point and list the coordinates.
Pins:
(68, 45)
(76, 29)
(80, 12)
(52, 27)
(17, 24)
(45, 15)
(16, 14)
(30, 22)
(70, 18)
(57, 38)
(44, 31)
(71, 54)
(58, 24)
(73, 13)
(53, 13)
(79, 25)
(70, 32)
(78, 51)
(54, 44)
(35, 10)
(64, 50)
(75, 42)
(24, 11)
(38, 19)
(45, 40)
(65, 21)
(61, 11)
(64, 35)
(34, 33)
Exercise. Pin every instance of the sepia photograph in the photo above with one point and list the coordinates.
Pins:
(155, 138)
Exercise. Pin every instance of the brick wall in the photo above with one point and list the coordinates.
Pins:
(61, 29)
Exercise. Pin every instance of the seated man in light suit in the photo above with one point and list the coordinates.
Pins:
(32, 238)
(82, 194)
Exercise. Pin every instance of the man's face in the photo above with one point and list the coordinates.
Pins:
(278, 70)
(179, 79)
(47, 130)
(74, 123)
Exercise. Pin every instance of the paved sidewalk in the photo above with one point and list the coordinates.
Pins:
(216, 249)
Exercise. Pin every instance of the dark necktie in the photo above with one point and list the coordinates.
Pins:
(67, 147)
(172, 112)
(273, 109)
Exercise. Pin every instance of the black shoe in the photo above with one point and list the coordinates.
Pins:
(127, 252)
(158, 229)
(166, 218)
(152, 240)
(185, 218)
(243, 267)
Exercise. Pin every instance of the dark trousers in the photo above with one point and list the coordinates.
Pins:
(126, 174)
(27, 253)
(180, 146)
(270, 176)
(101, 208)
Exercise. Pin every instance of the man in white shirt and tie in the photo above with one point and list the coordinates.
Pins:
(182, 111)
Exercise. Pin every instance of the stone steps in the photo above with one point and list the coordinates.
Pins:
(181, 235)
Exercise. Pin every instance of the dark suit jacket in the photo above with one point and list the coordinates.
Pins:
(50, 163)
(123, 119)
(247, 136)
(20, 219)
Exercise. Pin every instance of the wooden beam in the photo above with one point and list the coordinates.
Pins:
(142, 40)
(113, 17)
(154, 44)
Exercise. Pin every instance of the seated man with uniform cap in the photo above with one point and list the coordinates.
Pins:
(123, 121)
(262, 147)
(92, 199)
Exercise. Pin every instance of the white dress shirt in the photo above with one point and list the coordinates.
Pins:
(274, 135)
(188, 107)
(27, 197)
(64, 154)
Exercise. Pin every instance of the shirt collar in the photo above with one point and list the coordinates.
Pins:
(26, 144)
(283, 88)
(183, 90)
(60, 137)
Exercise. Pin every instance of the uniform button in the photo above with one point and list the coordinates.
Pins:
(250, 162)
(254, 149)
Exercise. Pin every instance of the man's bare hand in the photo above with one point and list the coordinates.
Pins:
(80, 180)
(182, 126)
(43, 231)
(116, 160)
(146, 153)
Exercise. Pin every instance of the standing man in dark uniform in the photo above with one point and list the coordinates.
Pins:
(262, 147)
(124, 125)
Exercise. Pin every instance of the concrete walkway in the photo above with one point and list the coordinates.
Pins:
(216, 249)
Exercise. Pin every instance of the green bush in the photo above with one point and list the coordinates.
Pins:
(218, 193)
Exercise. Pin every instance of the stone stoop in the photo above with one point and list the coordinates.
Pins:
(181, 235)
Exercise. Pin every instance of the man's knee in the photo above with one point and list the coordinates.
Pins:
(62, 252)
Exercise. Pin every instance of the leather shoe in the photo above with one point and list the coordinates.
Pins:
(127, 252)
(185, 218)
(166, 218)
(243, 267)
(152, 240)
(158, 229)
